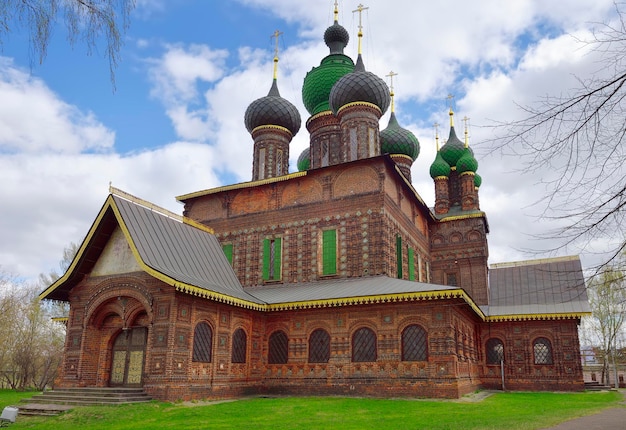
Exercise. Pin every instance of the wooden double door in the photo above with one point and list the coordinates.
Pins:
(128, 356)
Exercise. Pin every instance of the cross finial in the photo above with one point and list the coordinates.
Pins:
(336, 12)
(391, 93)
(436, 127)
(451, 113)
(275, 35)
(360, 8)
(466, 121)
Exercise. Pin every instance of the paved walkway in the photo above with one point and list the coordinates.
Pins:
(608, 419)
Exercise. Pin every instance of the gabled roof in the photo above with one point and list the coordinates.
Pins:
(166, 247)
(537, 289)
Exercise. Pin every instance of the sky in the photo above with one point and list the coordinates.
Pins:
(173, 123)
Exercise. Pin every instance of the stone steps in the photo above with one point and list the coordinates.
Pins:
(51, 403)
(596, 386)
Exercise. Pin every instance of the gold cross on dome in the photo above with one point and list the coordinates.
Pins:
(275, 35)
(360, 8)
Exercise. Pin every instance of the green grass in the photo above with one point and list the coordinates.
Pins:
(501, 411)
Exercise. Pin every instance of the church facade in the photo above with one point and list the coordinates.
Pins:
(337, 279)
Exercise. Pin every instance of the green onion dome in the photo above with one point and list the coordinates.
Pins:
(397, 140)
(439, 167)
(453, 149)
(478, 180)
(359, 86)
(319, 81)
(272, 110)
(467, 162)
(304, 160)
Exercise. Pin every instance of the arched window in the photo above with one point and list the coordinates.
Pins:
(319, 346)
(542, 349)
(278, 348)
(414, 343)
(239, 347)
(202, 343)
(494, 350)
(364, 345)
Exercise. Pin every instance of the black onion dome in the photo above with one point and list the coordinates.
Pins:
(272, 110)
(336, 38)
(359, 86)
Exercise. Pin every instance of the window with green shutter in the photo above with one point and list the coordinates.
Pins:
(228, 251)
(272, 261)
(329, 252)
(399, 255)
(411, 258)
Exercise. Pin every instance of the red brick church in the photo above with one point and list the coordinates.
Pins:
(334, 280)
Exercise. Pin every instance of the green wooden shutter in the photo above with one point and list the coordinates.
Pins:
(266, 259)
(228, 251)
(277, 258)
(329, 252)
(411, 258)
(399, 255)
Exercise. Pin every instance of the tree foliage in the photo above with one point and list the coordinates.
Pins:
(88, 21)
(581, 138)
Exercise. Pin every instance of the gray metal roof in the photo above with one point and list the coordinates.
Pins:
(548, 286)
(180, 251)
(341, 288)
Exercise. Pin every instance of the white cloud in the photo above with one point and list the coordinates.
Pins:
(33, 118)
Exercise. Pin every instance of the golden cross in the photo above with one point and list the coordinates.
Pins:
(391, 75)
(466, 120)
(275, 35)
(436, 126)
(451, 113)
(336, 12)
(360, 8)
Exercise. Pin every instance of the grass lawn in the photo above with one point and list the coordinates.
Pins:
(500, 411)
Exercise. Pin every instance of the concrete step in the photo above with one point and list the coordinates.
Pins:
(53, 402)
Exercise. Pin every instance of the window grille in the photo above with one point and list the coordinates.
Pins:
(239, 347)
(364, 345)
(319, 346)
(414, 344)
(278, 348)
(202, 342)
(495, 351)
(543, 351)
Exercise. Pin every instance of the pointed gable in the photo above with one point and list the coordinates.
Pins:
(185, 256)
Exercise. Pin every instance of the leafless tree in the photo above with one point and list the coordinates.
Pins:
(580, 138)
(607, 297)
(86, 20)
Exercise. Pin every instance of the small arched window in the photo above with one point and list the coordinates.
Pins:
(319, 346)
(278, 348)
(364, 345)
(202, 343)
(494, 350)
(542, 349)
(239, 346)
(414, 343)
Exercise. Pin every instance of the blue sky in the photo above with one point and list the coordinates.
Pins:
(189, 68)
